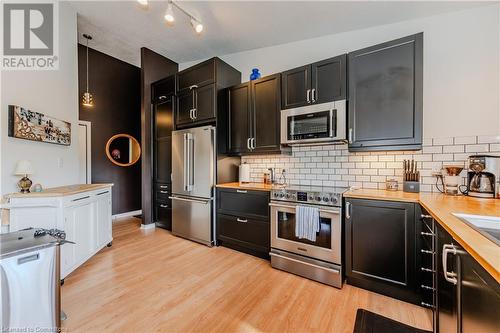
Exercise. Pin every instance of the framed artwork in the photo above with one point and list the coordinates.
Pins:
(35, 126)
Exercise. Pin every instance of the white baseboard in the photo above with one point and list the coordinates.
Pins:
(127, 214)
(148, 226)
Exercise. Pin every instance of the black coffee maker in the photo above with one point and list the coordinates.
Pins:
(484, 176)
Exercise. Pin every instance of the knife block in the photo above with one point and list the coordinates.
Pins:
(411, 186)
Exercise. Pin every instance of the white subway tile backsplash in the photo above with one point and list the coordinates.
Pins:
(334, 165)
(488, 139)
(442, 141)
(465, 140)
(480, 148)
(495, 147)
(432, 150)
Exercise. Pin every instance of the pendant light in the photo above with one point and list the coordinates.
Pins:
(87, 99)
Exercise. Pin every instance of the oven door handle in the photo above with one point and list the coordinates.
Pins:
(335, 271)
(293, 207)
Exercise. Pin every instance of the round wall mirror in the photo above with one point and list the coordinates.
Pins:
(123, 150)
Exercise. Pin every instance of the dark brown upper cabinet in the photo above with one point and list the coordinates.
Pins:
(320, 82)
(239, 118)
(198, 89)
(385, 96)
(254, 116)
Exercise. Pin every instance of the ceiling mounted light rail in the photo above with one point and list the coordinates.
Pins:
(170, 18)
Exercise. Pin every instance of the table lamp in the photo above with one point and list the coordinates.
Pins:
(23, 168)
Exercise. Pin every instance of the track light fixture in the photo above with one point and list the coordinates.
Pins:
(170, 18)
(169, 14)
(197, 26)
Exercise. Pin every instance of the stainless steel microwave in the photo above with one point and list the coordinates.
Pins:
(314, 124)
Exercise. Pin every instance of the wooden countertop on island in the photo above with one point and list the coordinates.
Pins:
(442, 207)
(60, 191)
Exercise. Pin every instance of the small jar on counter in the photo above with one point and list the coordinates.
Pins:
(391, 185)
(267, 178)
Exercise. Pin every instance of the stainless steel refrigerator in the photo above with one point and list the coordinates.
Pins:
(193, 180)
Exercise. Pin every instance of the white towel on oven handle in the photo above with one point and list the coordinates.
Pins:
(306, 222)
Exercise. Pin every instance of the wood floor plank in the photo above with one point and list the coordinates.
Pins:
(151, 281)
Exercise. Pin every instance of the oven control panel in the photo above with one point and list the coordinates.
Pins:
(310, 197)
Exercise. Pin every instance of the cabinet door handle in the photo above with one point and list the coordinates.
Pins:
(425, 216)
(449, 276)
(308, 95)
(164, 192)
(162, 97)
(350, 135)
(241, 191)
(164, 206)
(241, 220)
(195, 113)
(423, 233)
(191, 114)
(82, 198)
(248, 143)
(102, 193)
(313, 95)
(163, 186)
(347, 210)
(252, 143)
(194, 86)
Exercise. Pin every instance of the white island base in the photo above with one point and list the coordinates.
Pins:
(82, 211)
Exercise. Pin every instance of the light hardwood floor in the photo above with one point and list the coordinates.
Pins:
(152, 281)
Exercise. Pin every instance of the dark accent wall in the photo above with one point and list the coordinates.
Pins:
(154, 67)
(116, 88)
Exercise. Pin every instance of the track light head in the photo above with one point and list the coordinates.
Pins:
(197, 26)
(169, 14)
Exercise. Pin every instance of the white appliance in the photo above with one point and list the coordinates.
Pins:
(30, 285)
(314, 124)
(244, 173)
(193, 180)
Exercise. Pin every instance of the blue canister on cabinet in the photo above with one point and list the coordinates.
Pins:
(255, 74)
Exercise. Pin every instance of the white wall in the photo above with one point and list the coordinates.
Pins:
(54, 93)
(461, 65)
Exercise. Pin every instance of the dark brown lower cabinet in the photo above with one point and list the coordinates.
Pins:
(163, 205)
(468, 298)
(243, 221)
(380, 247)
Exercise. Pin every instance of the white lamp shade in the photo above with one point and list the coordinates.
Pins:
(23, 167)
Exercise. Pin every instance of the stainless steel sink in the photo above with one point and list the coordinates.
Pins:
(488, 226)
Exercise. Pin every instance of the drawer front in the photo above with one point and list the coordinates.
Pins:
(163, 187)
(163, 215)
(162, 196)
(254, 204)
(198, 75)
(162, 89)
(242, 229)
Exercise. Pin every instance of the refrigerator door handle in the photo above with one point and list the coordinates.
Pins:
(191, 161)
(189, 200)
(185, 163)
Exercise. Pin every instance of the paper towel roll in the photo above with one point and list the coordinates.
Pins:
(244, 173)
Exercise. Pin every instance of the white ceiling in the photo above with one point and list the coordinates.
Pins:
(121, 28)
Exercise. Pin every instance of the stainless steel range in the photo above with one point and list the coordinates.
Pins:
(318, 259)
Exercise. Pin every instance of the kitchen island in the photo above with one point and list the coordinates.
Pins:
(83, 211)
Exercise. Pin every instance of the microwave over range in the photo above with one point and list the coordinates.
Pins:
(314, 124)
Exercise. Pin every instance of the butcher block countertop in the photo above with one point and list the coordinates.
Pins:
(250, 186)
(60, 191)
(442, 207)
